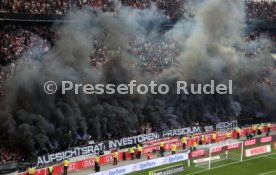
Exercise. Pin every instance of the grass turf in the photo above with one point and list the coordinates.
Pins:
(264, 164)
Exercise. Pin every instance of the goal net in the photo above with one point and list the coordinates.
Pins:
(217, 154)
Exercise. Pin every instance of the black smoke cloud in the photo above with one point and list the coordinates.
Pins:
(35, 120)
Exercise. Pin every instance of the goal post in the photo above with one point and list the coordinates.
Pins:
(217, 154)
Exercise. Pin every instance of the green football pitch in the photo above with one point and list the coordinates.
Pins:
(264, 164)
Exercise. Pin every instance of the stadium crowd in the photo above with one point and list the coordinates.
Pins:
(256, 43)
(154, 54)
(256, 10)
(46, 7)
(261, 10)
(171, 8)
(9, 152)
(21, 43)
(29, 42)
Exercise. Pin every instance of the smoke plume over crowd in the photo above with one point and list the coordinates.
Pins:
(209, 51)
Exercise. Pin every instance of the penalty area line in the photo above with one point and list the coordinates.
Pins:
(267, 172)
(257, 157)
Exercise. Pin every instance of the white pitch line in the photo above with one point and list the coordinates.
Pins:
(267, 172)
(233, 163)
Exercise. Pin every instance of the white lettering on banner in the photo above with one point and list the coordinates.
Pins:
(197, 153)
(144, 165)
(257, 151)
(209, 128)
(109, 158)
(229, 124)
(266, 139)
(61, 169)
(175, 158)
(88, 163)
(39, 171)
(169, 145)
(150, 149)
(183, 131)
(216, 149)
(117, 171)
(77, 151)
(197, 129)
(233, 146)
(133, 140)
(92, 149)
(147, 165)
(225, 126)
(249, 142)
(72, 166)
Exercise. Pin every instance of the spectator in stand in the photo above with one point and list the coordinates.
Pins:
(8, 152)
(154, 54)
(172, 9)
(45, 7)
(16, 42)
(261, 10)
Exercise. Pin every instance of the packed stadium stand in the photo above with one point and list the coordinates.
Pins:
(24, 41)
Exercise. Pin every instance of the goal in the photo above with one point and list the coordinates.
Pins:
(217, 154)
